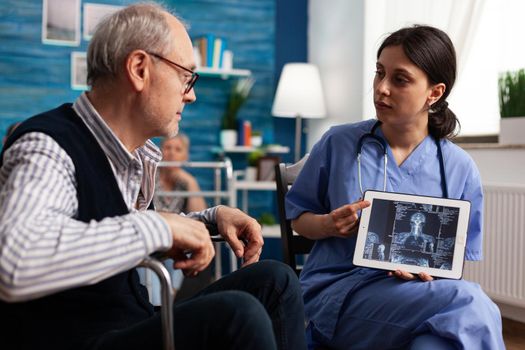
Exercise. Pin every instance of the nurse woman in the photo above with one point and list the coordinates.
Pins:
(349, 307)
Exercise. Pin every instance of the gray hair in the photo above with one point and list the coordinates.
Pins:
(140, 26)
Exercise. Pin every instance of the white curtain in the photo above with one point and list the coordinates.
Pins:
(462, 26)
(344, 36)
(460, 19)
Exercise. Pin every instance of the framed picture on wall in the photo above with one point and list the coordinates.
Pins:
(78, 71)
(61, 22)
(93, 14)
(265, 168)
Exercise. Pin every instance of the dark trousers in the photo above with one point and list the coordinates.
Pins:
(257, 307)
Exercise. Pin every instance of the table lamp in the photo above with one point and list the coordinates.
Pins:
(299, 95)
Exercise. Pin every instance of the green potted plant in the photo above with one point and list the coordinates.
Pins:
(238, 96)
(267, 219)
(512, 106)
(269, 225)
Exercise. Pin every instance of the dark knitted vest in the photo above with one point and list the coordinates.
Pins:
(70, 318)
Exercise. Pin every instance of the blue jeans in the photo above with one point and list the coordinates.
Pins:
(257, 307)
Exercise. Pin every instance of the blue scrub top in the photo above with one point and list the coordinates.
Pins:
(329, 180)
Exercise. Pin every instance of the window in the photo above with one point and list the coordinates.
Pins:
(487, 35)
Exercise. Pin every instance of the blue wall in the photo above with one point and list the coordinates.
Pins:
(35, 77)
(291, 22)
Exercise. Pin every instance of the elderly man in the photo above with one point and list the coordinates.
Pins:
(76, 187)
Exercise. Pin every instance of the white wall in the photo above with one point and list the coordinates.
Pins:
(335, 44)
(503, 167)
(500, 166)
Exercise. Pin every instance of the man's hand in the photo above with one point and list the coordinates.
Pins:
(242, 233)
(192, 249)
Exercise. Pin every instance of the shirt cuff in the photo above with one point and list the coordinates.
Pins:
(153, 229)
(207, 216)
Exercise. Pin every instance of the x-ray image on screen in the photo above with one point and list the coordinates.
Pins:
(411, 233)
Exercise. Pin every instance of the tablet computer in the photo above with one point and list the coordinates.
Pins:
(413, 233)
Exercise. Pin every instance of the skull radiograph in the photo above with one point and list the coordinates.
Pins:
(416, 240)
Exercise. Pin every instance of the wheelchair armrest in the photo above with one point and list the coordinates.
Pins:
(214, 233)
(167, 297)
(154, 263)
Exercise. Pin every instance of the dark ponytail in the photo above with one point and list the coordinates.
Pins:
(432, 51)
(442, 122)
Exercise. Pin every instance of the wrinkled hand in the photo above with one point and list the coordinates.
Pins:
(192, 249)
(344, 221)
(407, 276)
(242, 232)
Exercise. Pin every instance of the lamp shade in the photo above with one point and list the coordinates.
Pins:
(299, 92)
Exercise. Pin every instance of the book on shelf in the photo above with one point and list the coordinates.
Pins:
(218, 52)
(211, 49)
(247, 133)
(244, 133)
(201, 43)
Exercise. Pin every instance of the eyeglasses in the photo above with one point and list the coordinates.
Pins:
(194, 76)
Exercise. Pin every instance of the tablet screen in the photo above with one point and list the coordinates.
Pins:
(412, 233)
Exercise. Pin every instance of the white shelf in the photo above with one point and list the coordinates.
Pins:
(248, 149)
(255, 185)
(223, 73)
(271, 231)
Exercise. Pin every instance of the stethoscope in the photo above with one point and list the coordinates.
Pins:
(383, 145)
